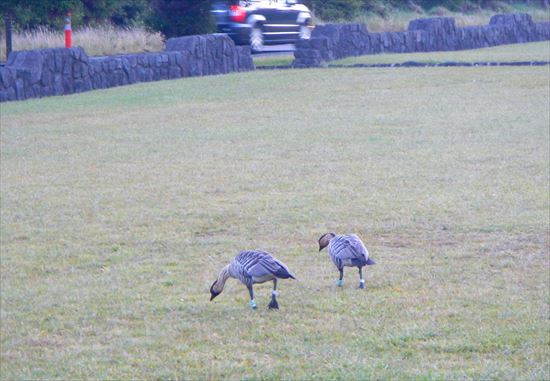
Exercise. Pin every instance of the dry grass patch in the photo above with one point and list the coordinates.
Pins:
(399, 21)
(96, 41)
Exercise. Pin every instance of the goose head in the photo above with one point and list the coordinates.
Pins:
(325, 239)
(214, 291)
(219, 283)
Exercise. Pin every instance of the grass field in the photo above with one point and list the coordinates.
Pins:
(119, 207)
(534, 51)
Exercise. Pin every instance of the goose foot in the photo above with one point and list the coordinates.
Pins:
(273, 305)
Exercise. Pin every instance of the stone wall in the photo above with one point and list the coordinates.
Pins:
(336, 41)
(45, 72)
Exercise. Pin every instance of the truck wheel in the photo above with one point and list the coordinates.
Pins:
(256, 39)
(305, 30)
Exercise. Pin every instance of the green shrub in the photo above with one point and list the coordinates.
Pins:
(181, 17)
(333, 10)
(33, 14)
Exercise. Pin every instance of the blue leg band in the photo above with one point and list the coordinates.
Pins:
(339, 282)
(252, 304)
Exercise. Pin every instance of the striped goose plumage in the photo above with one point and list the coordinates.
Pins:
(251, 267)
(346, 250)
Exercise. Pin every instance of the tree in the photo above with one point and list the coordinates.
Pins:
(32, 13)
(131, 12)
(334, 10)
(181, 17)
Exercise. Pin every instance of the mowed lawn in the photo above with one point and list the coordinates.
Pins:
(528, 52)
(119, 207)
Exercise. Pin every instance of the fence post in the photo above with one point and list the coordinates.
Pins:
(7, 23)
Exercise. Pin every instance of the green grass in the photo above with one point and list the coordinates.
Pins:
(119, 207)
(535, 51)
(279, 60)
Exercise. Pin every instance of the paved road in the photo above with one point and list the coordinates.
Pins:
(276, 50)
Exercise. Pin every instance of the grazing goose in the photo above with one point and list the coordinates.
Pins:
(252, 267)
(346, 250)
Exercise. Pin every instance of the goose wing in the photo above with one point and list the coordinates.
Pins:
(259, 264)
(350, 247)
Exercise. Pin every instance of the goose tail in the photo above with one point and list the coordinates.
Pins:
(370, 262)
(283, 273)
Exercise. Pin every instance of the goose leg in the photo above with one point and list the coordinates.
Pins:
(252, 302)
(340, 281)
(274, 305)
(361, 280)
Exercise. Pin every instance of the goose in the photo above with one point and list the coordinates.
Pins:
(251, 267)
(346, 250)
